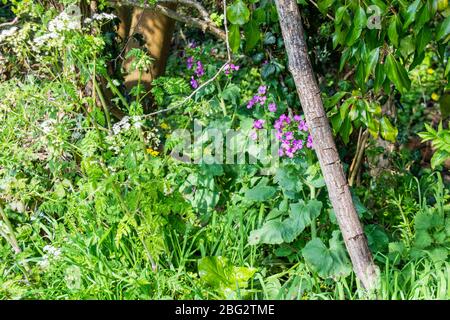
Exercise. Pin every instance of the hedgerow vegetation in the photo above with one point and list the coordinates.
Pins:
(93, 204)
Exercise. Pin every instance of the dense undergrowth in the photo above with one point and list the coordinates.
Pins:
(95, 207)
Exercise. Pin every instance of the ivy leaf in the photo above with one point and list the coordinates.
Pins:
(238, 13)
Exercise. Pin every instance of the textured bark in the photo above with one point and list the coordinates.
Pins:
(324, 145)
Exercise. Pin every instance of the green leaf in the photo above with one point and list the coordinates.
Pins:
(276, 232)
(393, 30)
(359, 22)
(439, 157)
(260, 193)
(411, 13)
(231, 93)
(407, 46)
(379, 78)
(444, 29)
(238, 13)
(324, 5)
(371, 61)
(330, 262)
(438, 254)
(423, 38)
(397, 74)
(214, 270)
(317, 255)
(252, 35)
(270, 233)
(388, 131)
(377, 238)
(224, 277)
(234, 37)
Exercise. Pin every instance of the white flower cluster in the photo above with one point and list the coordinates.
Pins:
(7, 33)
(51, 254)
(100, 17)
(69, 19)
(125, 124)
(65, 21)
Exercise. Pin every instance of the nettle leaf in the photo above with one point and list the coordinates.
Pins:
(260, 193)
(238, 13)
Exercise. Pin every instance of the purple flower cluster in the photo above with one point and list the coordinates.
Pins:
(257, 125)
(230, 67)
(290, 133)
(199, 71)
(258, 98)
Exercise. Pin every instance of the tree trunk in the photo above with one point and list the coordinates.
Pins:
(324, 145)
(156, 30)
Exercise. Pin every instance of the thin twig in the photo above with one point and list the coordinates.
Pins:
(10, 23)
(205, 24)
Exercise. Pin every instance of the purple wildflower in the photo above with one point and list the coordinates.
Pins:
(199, 71)
(258, 124)
(262, 100)
(194, 83)
(297, 118)
(252, 102)
(262, 90)
(190, 62)
(302, 126)
(253, 135)
(289, 135)
(309, 143)
(272, 107)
